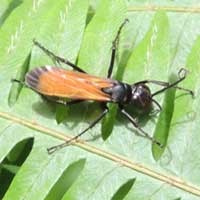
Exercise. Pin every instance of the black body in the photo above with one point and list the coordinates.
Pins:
(119, 93)
(138, 95)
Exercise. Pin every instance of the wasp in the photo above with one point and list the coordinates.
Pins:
(78, 86)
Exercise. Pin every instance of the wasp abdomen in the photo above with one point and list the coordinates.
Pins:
(33, 77)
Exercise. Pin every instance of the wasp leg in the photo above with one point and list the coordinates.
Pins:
(58, 58)
(72, 102)
(141, 132)
(114, 48)
(18, 81)
(60, 146)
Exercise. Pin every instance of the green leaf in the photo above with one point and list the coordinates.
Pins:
(153, 45)
(67, 179)
(6, 7)
(123, 190)
(161, 133)
(97, 41)
(11, 168)
(108, 121)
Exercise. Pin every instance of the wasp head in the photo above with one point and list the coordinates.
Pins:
(141, 98)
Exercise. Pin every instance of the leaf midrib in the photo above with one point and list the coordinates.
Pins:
(178, 9)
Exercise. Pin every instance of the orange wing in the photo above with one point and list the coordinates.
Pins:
(54, 81)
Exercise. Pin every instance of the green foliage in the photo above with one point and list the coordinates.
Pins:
(153, 45)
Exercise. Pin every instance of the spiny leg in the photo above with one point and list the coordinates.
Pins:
(60, 146)
(141, 132)
(114, 47)
(18, 81)
(57, 58)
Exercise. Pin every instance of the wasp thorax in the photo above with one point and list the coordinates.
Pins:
(141, 97)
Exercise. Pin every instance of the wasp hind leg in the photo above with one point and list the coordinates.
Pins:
(60, 146)
(22, 83)
(57, 58)
(18, 81)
